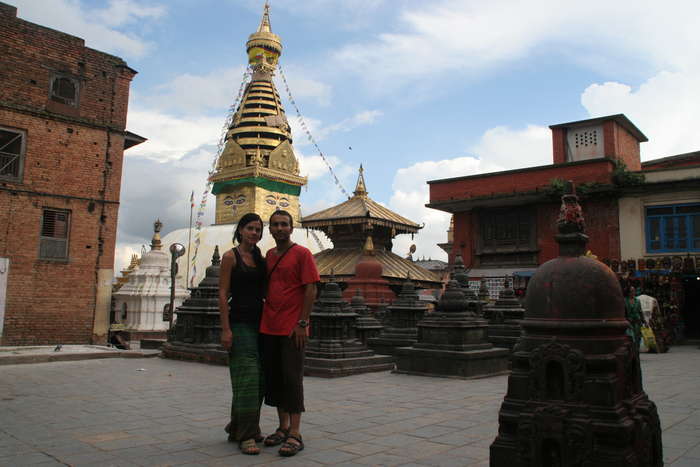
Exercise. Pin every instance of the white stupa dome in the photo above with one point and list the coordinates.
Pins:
(222, 235)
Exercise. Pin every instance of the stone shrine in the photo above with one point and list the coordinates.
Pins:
(140, 301)
(575, 395)
(459, 274)
(484, 296)
(452, 342)
(196, 334)
(401, 322)
(366, 325)
(334, 349)
(504, 318)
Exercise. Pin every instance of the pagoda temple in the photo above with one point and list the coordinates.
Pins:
(350, 223)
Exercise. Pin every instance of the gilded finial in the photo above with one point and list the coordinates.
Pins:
(263, 46)
(361, 188)
(369, 246)
(265, 22)
(155, 241)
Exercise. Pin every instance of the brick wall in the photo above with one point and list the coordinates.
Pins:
(73, 162)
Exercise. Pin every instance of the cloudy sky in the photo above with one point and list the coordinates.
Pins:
(413, 90)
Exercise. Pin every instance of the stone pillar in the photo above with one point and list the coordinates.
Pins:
(334, 349)
(402, 321)
(452, 342)
(575, 395)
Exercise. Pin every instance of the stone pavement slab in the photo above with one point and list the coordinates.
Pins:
(157, 412)
(10, 355)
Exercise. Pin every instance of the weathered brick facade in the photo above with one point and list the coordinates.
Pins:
(73, 163)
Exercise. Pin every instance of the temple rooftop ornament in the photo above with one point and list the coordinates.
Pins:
(575, 395)
(349, 223)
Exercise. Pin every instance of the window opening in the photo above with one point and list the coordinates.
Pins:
(55, 227)
(11, 153)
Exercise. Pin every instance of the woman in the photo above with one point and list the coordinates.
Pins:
(633, 313)
(241, 292)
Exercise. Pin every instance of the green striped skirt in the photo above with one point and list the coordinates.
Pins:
(247, 382)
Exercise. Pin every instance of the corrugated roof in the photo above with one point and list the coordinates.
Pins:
(342, 261)
(360, 208)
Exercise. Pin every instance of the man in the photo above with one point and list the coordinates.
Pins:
(292, 277)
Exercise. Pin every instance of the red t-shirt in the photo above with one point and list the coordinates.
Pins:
(285, 291)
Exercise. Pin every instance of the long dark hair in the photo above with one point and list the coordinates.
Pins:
(245, 220)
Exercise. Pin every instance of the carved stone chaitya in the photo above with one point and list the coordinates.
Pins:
(401, 321)
(459, 274)
(367, 325)
(334, 349)
(197, 331)
(504, 318)
(575, 395)
(452, 342)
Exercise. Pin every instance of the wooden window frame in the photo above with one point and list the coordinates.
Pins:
(6, 156)
(45, 241)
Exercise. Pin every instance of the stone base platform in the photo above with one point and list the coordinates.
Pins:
(205, 353)
(135, 337)
(503, 335)
(451, 363)
(337, 367)
(388, 345)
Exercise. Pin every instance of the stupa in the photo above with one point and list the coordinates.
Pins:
(197, 332)
(575, 395)
(121, 280)
(140, 301)
(452, 342)
(367, 325)
(504, 318)
(257, 170)
(334, 349)
(401, 322)
(368, 280)
(350, 223)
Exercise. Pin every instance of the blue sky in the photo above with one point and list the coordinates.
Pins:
(419, 90)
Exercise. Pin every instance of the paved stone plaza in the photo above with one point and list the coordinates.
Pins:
(145, 412)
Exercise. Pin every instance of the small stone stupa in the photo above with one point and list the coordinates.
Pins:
(334, 349)
(140, 302)
(452, 342)
(367, 325)
(402, 321)
(504, 318)
(459, 274)
(197, 332)
(575, 395)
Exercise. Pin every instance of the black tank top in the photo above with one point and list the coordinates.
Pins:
(247, 291)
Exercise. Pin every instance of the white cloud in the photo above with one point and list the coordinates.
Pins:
(502, 148)
(321, 132)
(664, 108)
(98, 26)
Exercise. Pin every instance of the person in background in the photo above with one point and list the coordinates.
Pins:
(633, 313)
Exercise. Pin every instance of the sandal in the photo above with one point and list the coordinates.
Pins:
(290, 449)
(249, 447)
(258, 437)
(278, 437)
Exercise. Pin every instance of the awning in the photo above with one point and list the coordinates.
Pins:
(500, 272)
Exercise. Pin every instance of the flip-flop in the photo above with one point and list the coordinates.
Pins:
(291, 449)
(249, 447)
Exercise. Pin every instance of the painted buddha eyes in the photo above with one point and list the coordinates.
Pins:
(282, 202)
(230, 201)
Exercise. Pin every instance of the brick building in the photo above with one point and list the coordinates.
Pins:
(63, 113)
(634, 211)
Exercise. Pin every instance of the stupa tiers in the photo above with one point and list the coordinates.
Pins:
(367, 325)
(197, 332)
(121, 280)
(401, 321)
(504, 318)
(349, 223)
(334, 349)
(140, 301)
(575, 395)
(452, 342)
(257, 170)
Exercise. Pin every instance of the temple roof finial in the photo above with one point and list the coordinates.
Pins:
(265, 22)
(361, 188)
(369, 246)
(155, 241)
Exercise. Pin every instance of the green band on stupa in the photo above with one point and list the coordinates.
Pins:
(270, 185)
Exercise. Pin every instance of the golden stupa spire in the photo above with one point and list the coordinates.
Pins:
(155, 241)
(265, 22)
(360, 187)
(368, 249)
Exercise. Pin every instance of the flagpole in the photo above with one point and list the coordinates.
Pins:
(189, 240)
